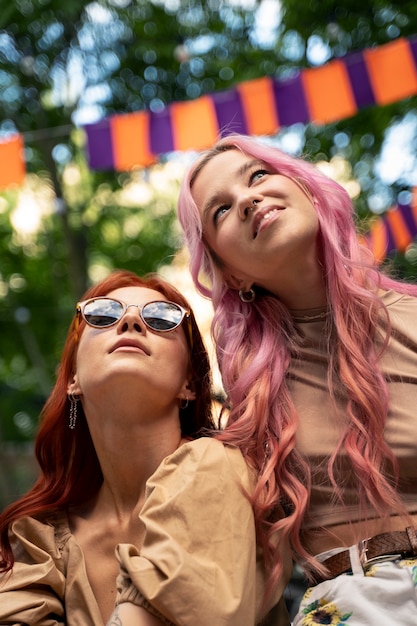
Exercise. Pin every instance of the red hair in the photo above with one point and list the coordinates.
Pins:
(70, 471)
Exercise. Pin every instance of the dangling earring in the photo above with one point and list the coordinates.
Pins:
(184, 403)
(247, 296)
(73, 410)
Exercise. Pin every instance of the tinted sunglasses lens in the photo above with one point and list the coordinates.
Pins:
(102, 312)
(162, 315)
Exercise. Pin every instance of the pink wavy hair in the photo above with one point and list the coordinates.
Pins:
(253, 350)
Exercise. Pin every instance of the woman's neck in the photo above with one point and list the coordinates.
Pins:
(302, 292)
(130, 453)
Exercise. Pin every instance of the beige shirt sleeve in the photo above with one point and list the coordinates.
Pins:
(33, 592)
(199, 562)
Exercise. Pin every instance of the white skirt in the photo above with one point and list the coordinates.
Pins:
(384, 594)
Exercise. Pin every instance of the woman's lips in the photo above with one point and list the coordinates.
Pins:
(263, 217)
(129, 345)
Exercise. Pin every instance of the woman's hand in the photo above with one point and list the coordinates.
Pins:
(127, 614)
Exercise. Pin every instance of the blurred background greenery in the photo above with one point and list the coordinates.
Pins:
(65, 64)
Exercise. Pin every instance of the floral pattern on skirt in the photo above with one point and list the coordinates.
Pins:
(324, 612)
(385, 594)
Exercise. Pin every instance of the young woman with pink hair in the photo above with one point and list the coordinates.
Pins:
(129, 466)
(318, 352)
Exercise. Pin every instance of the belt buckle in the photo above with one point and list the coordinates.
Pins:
(363, 553)
(367, 563)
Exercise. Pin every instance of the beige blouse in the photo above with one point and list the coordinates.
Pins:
(321, 423)
(198, 565)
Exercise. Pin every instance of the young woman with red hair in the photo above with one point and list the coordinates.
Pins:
(128, 463)
(318, 352)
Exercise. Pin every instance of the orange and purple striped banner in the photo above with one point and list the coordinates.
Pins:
(394, 230)
(322, 95)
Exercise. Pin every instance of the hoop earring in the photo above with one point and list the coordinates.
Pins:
(184, 403)
(247, 296)
(73, 410)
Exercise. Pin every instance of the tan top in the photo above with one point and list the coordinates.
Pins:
(321, 425)
(198, 563)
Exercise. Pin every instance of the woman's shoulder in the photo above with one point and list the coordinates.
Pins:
(206, 456)
(48, 530)
(401, 307)
(393, 299)
(207, 451)
(41, 538)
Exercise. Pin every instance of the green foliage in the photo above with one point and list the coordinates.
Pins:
(351, 25)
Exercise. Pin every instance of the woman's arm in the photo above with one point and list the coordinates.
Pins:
(199, 562)
(128, 614)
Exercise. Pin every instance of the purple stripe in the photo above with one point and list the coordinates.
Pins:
(359, 79)
(290, 101)
(391, 245)
(229, 112)
(408, 217)
(413, 45)
(99, 145)
(160, 132)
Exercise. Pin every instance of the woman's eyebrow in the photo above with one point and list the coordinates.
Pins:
(215, 198)
(248, 166)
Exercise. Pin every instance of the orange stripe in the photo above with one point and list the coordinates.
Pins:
(400, 232)
(13, 167)
(379, 240)
(258, 102)
(130, 137)
(392, 71)
(328, 92)
(194, 124)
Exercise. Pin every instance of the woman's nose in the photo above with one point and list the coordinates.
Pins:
(246, 206)
(132, 320)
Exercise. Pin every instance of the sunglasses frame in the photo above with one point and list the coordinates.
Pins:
(186, 314)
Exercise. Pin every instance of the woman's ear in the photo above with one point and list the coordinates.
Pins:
(240, 284)
(187, 392)
(233, 281)
(73, 386)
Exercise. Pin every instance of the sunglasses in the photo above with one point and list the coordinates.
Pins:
(160, 316)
